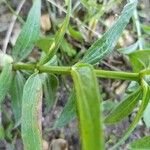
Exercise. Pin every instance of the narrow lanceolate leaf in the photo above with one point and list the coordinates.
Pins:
(124, 108)
(16, 92)
(140, 144)
(105, 45)
(88, 107)
(144, 103)
(59, 36)
(50, 89)
(31, 113)
(29, 34)
(5, 81)
(68, 113)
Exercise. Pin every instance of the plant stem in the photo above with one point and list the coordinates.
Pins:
(23, 66)
(138, 28)
(55, 69)
(46, 69)
(117, 75)
(66, 70)
(144, 72)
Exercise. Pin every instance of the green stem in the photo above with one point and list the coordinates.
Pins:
(144, 72)
(55, 69)
(138, 28)
(117, 75)
(66, 70)
(22, 66)
(46, 69)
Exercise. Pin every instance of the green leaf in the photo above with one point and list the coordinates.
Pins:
(146, 117)
(108, 105)
(140, 60)
(132, 87)
(5, 81)
(105, 45)
(58, 37)
(91, 5)
(140, 144)
(88, 107)
(44, 43)
(129, 49)
(31, 113)
(75, 34)
(124, 108)
(68, 113)
(146, 29)
(29, 34)
(16, 93)
(68, 48)
(52, 62)
(50, 89)
(142, 107)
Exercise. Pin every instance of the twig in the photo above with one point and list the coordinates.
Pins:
(8, 34)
